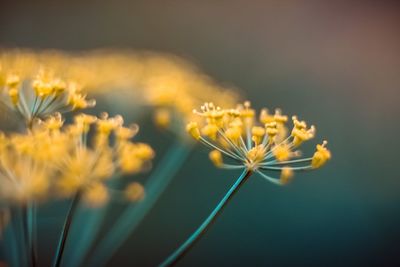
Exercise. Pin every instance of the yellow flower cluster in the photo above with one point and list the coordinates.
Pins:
(41, 95)
(263, 145)
(53, 159)
(170, 85)
(26, 166)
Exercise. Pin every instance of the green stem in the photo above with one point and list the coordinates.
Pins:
(10, 245)
(14, 240)
(82, 238)
(26, 234)
(30, 222)
(65, 230)
(185, 247)
(160, 178)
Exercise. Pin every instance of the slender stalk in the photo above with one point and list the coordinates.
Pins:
(185, 247)
(30, 226)
(82, 238)
(14, 240)
(160, 178)
(65, 230)
(10, 245)
(26, 234)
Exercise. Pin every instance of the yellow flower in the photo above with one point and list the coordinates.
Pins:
(255, 146)
(27, 165)
(86, 167)
(83, 122)
(125, 133)
(56, 160)
(76, 99)
(162, 117)
(255, 155)
(321, 156)
(96, 195)
(286, 175)
(283, 152)
(193, 129)
(216, 158)
(134, 192)
(167, 84)
(300, 132)
(43, 96)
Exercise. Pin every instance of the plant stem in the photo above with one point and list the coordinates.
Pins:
(30, 231)
(65, 229)
(158, 181)
(14, 240)
(26, 234)
(185, 247)
(82, 238)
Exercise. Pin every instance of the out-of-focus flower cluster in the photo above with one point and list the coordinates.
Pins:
(48, 159)
(53, 160)
(166, 83)
(257, 145)
(41, 95)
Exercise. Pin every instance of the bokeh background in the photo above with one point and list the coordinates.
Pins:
(334, 63)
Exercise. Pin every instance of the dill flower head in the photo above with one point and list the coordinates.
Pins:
(56, 160)
(168, 85)
(86, 167)
(27, 164)
(41, 95)
(262, 144)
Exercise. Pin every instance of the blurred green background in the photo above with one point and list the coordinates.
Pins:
(334, 63)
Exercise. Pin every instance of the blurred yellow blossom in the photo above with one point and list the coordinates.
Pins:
(52, 154)
(41, 95)
(168, 84)
(86, 167)
(28, 164)
(135, 192)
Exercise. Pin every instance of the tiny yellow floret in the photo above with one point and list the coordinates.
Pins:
(193, 129)
(54, 123)
(255, 155)
(271, 129)
(258, 133)
(162, 118)
(265, 117)
(286, 175)
(321, 156)
(96, 195)
(233, 133)
(282, 152)
(83, 122)
(300, 132)
(134, 192)
(125, 133)
(216, 158)
(13, 80)
(13, 92)
(210, 130)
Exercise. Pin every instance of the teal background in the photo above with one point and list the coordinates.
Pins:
(335, 64)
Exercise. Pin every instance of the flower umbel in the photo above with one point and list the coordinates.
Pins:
(254, 146)
(263, 145)
(86, 167)
(51, 156)
(27, 164)
(42, 95)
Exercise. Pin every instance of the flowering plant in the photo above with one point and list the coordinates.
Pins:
(58, 153)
